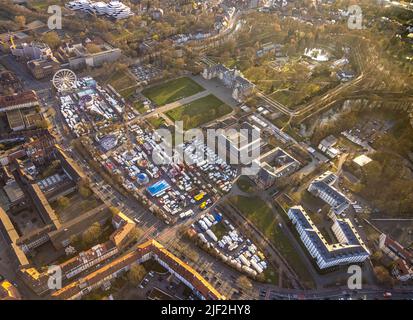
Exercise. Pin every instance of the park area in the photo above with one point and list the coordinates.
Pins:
(199, 112)
(263, 217)
(172, 91)
(123, 83)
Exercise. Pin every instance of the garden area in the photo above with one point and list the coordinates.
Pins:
(199, 112)
(172, 91)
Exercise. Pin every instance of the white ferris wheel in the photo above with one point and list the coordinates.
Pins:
(64, 80)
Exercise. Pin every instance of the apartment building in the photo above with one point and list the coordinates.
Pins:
(41, 69)
(88, 259)
(77, 56)
(323, 187)
(350, 248)
(144, 252)
(240, 144)
(403, 257)
(327, 146)
(40, 60)
(114, 9)
(275, 164)
(82, 262)
(17, 101)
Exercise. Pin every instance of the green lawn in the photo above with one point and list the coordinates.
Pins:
(156, 122)
(245, 184)
(262, 216)
(121, 80)
(271, 276)
(172, 91)
(257, 211)
(219, 229)
(128, 92)
(139, 106)
(200, 111)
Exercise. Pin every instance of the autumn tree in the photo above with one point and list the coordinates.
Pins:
(91, 235)
(63, 202)
(244, 282)
(383, 276)
(20, 20)
(136, 274)
(51, 39)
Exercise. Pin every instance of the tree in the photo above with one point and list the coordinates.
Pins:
(244, 282)
(135, 234)
(43, 124)
(136, 273)
(93, 48)
(383, 275)
(51, 39)
(376, 256)
(91, 235)
(85, 192)
(51, 169)
(63, 202)
(20, 20)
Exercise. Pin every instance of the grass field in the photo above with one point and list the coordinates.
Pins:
(219, 229)
(156, 122)
(172, 91)
(128, 92)
(245, 184)
(121, 80)
(199, 112)
(262, 216)
(139, 106)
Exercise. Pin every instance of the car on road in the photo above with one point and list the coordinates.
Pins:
(137, 220)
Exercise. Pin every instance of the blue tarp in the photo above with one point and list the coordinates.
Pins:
(217, 217)
(158, 188)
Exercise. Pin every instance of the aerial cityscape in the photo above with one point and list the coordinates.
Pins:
(178, 150)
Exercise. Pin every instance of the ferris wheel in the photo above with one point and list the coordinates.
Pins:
(64, 80)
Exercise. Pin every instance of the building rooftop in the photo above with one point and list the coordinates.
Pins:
(150, 247)
(324, 185)
(20, 100)
(13, 191)
(362, 160)
(277, 160)
(8, 291)
(330, 251)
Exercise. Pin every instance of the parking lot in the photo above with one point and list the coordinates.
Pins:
(145, 73)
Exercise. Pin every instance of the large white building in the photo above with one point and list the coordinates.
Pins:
(231, 78)
(114, 9)
(275, 164)
(349, 249)
(323, 188)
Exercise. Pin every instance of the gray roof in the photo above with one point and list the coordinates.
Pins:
(330, 252)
